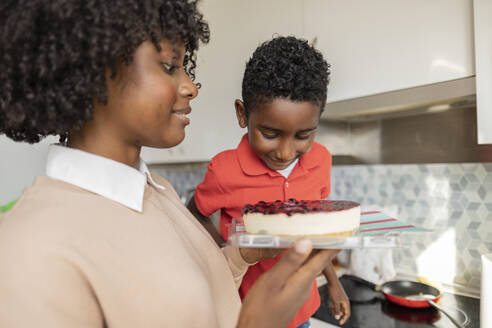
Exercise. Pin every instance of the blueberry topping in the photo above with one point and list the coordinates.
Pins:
(293, 206)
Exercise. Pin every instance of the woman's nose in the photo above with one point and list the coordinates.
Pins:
(187, 87)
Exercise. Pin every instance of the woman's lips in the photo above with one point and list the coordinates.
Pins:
(181, 114)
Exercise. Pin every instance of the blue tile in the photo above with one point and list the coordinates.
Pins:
(487, 167)
(482, 192)
(455, 186)
(474, 253)
(473, 206)
(473, 225)
(463, 182)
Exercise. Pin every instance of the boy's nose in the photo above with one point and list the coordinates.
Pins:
(286, 151)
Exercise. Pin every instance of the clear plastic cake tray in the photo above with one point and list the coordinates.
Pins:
(377, 230)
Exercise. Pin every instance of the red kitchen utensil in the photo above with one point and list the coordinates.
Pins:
(407, 293)
(404, 292)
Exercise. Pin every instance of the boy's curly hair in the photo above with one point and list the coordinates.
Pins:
(53, 55)
(285, 67)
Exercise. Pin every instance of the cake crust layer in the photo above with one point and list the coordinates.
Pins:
(335, 234)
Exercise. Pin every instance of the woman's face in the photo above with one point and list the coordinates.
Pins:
(150, 98)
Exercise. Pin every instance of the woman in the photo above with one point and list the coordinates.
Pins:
(100, 242)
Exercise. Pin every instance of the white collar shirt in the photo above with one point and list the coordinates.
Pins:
(288, 170)
(106, 177)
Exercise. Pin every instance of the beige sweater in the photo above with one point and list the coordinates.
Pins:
(72, 258)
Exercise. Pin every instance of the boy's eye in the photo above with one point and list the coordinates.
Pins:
(168, 68)
(302, 136)
(269, 135)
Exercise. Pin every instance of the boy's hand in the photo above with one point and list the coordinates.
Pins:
(339, 302)
(253, 255)
(279, 293)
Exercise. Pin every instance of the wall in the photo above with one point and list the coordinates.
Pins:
(451, 199)
(237, 28)
(19, 164)
(448, 136)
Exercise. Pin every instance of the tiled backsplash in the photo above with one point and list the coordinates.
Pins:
(183, 181)
(455, 200)
(452, 199)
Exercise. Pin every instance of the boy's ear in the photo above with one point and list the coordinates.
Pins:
(242, 119)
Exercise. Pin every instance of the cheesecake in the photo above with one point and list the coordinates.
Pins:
(302, 217)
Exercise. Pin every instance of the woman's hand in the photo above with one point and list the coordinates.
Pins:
(279, 293)
(253, 255)
(339, 302)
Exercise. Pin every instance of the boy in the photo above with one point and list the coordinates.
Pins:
(284, 93)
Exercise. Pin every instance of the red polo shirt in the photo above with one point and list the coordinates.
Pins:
(238, 177)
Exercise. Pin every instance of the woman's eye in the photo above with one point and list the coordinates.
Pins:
(168, 68)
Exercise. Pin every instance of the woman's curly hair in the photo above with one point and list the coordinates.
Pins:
(54, 53)
(285, 67)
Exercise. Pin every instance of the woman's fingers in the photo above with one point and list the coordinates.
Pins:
(267, 303)
(291, 261)
(305, 275)
(279, 293)
(317, 262)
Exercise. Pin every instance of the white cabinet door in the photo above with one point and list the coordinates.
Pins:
(237, 28)
(483, 59)
(385, 45)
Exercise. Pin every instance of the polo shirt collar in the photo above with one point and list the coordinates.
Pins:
(106, 177)
(251, 164)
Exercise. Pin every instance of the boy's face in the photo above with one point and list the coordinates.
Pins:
(280, 131)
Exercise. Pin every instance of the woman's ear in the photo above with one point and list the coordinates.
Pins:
(242, 118)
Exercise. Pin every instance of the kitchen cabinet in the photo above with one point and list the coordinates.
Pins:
(385, 45)
(483, 63)
(237, 28)
(19, 164)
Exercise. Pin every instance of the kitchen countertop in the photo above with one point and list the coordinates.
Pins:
(316, 323)
(371, 310)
